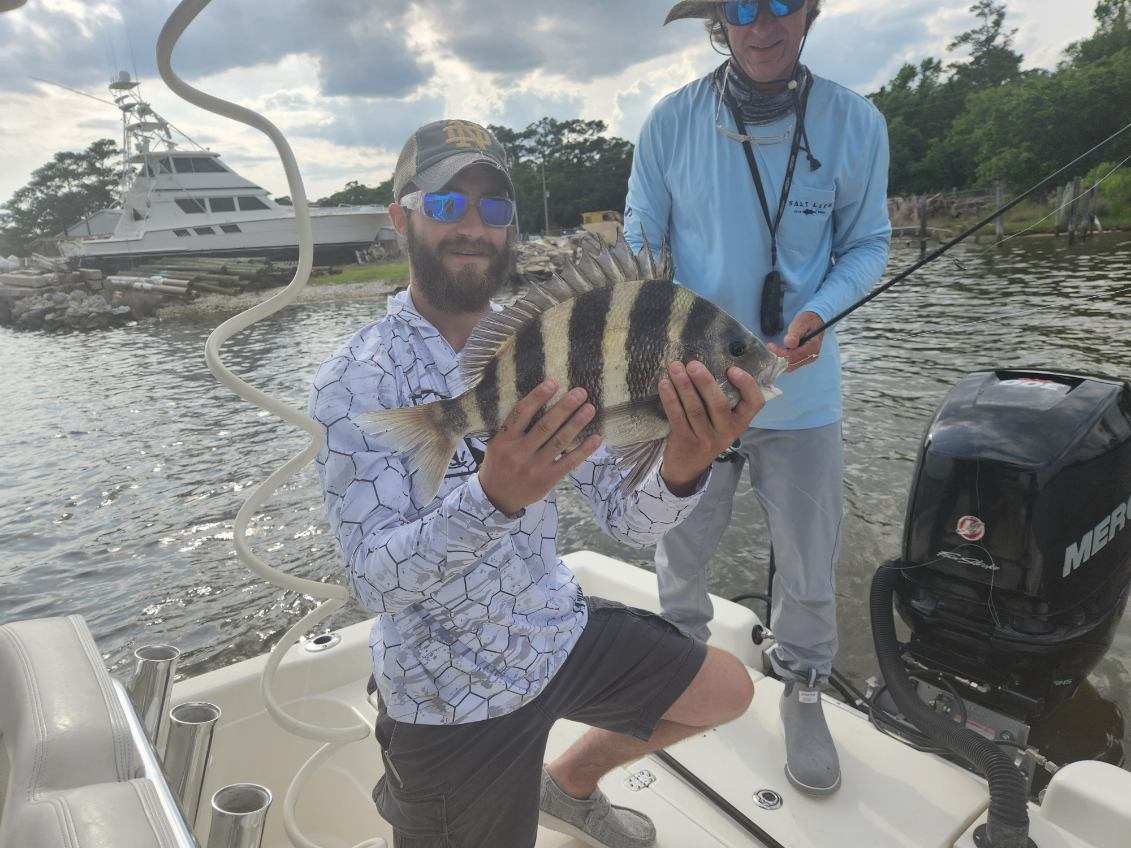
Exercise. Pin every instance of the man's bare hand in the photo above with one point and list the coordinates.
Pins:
(520, 467)
(702, 423)
(800, 355)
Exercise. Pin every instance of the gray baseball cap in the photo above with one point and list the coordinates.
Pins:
(438, 151)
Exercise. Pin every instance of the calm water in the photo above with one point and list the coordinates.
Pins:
(125, 463)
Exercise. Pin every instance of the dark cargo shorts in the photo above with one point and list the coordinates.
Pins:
(477, 785)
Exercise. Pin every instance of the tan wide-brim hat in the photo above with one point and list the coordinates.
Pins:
(691, 9)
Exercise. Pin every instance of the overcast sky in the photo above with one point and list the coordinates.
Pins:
(347, 80)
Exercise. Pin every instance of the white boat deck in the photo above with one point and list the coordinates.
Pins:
(891, 795)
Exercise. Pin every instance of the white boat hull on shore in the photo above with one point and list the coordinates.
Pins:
(333, 230)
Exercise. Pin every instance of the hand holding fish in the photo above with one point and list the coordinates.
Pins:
(800, 356)
(523, 462)
(703, 425)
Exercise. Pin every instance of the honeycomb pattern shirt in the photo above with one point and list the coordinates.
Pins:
(476, 611)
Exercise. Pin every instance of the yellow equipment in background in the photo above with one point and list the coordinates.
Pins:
(609, 225)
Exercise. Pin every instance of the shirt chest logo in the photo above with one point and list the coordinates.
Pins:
(810, 208)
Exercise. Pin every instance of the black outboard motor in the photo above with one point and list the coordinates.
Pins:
(1016, 569)
(1017, 548)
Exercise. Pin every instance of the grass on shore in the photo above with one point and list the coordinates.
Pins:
(1022, 217)
(383, 271)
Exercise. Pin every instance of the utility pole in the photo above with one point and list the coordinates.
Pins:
(545, 198)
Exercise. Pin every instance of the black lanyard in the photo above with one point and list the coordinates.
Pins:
(773, 288)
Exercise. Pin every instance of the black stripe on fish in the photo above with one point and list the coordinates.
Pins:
(529, 359)
(648, 337)
(586, 342)
(487, 397)
(694, 336)
(453, 420)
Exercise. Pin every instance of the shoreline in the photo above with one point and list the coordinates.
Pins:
(213, 305)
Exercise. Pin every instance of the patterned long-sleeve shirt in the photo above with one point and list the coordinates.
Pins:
(476, 611)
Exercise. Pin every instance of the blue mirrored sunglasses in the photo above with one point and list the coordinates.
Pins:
(745, 12)
(448, 207)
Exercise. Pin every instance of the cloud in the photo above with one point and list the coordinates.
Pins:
(383, 124)
(581, 40)
(881, 42)
(348, 80)
(359, 46)
(518, 109)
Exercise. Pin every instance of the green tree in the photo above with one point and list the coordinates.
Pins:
(1114, 193)
(920, 104)
(992, 60)
(1113, 34)
(358, 194)
(982, 119)
(61, 193)
(585, 170)
(1021, 132)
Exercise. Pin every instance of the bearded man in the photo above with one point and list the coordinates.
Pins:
(483, 638)
(763, 173)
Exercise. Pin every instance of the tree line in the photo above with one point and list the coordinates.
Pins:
(955, 124)
(981, 120)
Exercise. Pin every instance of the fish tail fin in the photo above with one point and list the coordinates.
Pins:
(423, 432)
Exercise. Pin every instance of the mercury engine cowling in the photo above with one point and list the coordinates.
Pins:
(1017, 547)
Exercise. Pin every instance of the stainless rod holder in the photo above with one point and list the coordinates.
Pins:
(149, 690)
(239, 816)
(191, 727)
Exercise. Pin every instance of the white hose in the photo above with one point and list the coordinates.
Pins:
(336, 596)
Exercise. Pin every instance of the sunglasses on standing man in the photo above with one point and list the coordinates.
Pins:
(747, 12)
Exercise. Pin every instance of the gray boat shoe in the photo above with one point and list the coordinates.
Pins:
(593, 820)
(811, 762)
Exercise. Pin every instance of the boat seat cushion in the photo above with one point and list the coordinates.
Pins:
(67, 742)
(106, 815)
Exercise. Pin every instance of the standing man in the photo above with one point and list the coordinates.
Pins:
(762, 172)
(483, 638)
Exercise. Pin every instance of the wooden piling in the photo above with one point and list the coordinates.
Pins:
(999, 221)
(1074, 211)
(1060, 201)
(921, 203)
(1086, 215)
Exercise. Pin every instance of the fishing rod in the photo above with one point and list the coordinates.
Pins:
(931, 257)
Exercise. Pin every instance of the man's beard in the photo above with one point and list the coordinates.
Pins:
(468, 290)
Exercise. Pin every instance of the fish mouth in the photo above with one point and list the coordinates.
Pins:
(769, 375)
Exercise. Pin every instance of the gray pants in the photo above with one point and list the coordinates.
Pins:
(798, 476)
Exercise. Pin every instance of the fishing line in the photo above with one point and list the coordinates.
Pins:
(931, 257)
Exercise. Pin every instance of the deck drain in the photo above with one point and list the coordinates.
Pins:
(640, 780)
(322, 642)
(768, 799)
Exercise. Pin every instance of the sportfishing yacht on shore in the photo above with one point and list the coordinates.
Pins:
(191, 203)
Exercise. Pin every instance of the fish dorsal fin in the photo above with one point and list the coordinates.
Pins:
(598, 267)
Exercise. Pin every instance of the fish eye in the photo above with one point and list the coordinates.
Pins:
(738, 349)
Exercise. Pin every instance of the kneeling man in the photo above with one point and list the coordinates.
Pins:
(483, 637)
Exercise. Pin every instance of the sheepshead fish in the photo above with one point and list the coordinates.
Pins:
(609, 323)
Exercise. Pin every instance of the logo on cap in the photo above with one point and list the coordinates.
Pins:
(466, 135)
(971, 528)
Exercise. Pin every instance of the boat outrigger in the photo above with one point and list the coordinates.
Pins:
(1015, 570)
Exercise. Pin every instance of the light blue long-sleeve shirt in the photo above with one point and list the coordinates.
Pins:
(691, 184)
